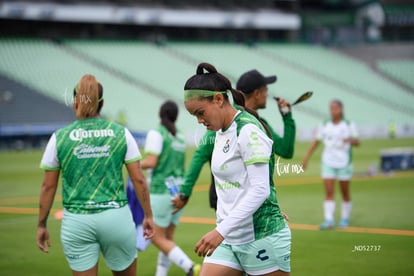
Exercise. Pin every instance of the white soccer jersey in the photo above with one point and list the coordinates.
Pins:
(153, 143)
(236, 195)
(337, 152)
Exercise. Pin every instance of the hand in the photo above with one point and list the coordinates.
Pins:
(285, 216)
(304, 164)
(208, 243)
(178, 203)
(148, 227)
(284, 106)
(43, 239)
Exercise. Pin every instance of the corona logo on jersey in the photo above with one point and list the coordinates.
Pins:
(80, 134)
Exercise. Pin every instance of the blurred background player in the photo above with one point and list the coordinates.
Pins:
(338, 136)
(255, 90)
(90, 153)
(165, 158)
(251, 234)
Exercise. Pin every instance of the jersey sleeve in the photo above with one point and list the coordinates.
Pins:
(132, 153)
(284, 146)
(50, 161)
(354, 130)
(202, 155)
(153, 143)
(255, 146)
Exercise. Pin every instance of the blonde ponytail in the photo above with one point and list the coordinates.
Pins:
(86, 97)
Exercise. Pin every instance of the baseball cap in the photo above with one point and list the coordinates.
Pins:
(252, 80)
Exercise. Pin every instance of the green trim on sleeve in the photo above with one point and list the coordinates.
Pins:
(47, 168)
(152, 152)
(257, 160)
(138, 158)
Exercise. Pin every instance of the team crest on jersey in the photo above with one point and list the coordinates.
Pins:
(226, 147)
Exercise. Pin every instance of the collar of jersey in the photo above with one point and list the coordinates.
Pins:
(234, 118)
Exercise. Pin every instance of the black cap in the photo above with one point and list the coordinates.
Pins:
(252, 80)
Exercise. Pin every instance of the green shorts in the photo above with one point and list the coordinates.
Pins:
(259, 257)
(111, 232)
(161, 210)
(341, 174)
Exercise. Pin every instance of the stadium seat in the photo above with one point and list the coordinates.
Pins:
(401, 70)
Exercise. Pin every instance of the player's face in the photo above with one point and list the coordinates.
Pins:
(207, 112)
(336, 111)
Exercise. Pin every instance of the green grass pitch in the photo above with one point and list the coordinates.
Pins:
(380, 202)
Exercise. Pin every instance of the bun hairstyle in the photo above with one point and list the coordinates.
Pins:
(207, 78)
(168, 114)
(88, 96)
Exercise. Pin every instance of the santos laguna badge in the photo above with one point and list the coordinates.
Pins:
(226, 146)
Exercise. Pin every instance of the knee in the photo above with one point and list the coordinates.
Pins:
(329, 194)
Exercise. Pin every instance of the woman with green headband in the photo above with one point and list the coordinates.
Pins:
(251, 235)
(90, 154)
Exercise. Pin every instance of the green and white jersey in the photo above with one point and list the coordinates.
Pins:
(90, 154)
(243, 215)
(336, 153)
(171, 158)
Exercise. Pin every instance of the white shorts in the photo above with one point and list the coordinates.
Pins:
(259, 257)
(341, 174)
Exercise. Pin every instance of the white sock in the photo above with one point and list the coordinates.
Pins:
(329, 209)
(178, 257)
(346, 209)
(163, 264)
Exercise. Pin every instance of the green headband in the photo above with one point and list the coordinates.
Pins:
(198, 93)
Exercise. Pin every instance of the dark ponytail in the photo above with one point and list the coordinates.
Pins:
(239, 99)
(214, 81)
(168, 115)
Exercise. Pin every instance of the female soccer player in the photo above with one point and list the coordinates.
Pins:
(338, 136)
(254, 87)
(90, 153)
(165, 150)
(251, 234)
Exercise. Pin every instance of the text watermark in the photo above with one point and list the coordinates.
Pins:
(366, 248)
(287, 168)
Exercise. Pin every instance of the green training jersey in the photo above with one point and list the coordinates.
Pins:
(170, 150)
(90, 154)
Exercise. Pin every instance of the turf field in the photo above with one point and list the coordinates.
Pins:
(380, 241)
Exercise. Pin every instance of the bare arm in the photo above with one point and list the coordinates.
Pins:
(47, 194)
(309, 153)
(149, 162)
(142, 192)
(353, 141)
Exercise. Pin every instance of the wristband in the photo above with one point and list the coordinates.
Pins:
(183, 197)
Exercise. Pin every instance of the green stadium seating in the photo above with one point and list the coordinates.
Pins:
(233, 60)
(151, 66)
(401, 70)
(354, 76)
(137, 77)
(54, 71)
